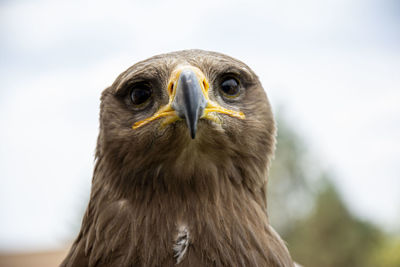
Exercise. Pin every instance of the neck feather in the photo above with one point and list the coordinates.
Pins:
(226, 218)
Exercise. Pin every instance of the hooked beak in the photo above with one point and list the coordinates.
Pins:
(188, 100)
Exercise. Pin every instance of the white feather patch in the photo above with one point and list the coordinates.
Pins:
(181, 243)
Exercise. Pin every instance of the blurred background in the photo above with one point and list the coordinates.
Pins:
(330, 68)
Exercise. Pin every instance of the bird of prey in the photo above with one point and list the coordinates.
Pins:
(180, 177)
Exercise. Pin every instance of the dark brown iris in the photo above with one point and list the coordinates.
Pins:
(230, 87)
(140, 94)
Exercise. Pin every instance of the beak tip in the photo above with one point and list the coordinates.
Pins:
(193, 133)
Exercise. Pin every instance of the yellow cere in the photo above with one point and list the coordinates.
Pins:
(169, 113)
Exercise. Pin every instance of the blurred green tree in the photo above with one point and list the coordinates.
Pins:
(331, 236)
(387, 254)
(293, 179)
(309, 213)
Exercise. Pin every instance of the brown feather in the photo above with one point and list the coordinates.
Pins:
(149, 182)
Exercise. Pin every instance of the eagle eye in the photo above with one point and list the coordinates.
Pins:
(230, 87)
(140, 94)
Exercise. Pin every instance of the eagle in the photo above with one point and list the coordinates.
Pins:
(180, 177)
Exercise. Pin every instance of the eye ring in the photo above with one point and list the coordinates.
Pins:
(140, 94)
(230, 87)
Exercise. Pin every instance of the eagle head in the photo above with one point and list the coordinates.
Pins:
(187, 112)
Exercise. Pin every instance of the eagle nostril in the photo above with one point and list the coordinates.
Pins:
(205, 85)
(171, 88)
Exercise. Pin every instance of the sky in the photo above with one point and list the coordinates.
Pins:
(332, 68)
